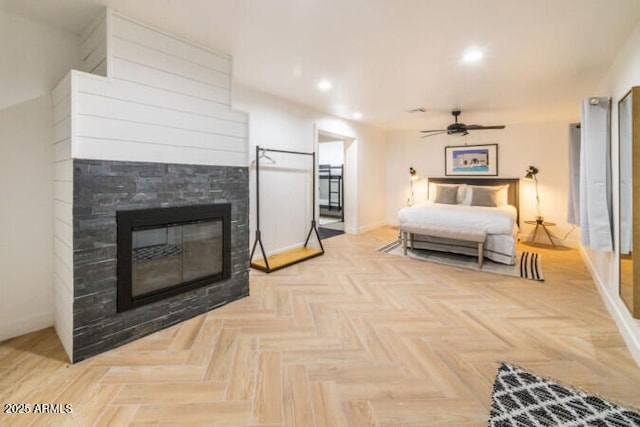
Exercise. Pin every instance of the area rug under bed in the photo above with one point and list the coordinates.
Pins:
(528, 264)
(521, 398)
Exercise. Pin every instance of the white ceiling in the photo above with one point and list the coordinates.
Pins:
(387, 56)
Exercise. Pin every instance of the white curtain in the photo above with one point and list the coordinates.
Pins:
(573, 212)
(595, 174)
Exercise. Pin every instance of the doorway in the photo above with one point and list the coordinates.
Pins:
(331, 174)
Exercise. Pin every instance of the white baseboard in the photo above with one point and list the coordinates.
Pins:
(628, 326)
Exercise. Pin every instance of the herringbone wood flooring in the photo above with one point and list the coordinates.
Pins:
(352, 338)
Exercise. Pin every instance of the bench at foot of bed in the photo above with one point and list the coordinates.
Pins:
(477, 238)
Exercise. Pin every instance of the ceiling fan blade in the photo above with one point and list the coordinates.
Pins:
(432, 134)
(457, 128)
(479, 127)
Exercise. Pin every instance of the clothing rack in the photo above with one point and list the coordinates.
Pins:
(292, 256)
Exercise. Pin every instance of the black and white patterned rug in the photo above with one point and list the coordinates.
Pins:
(528, 264)
(521, 398)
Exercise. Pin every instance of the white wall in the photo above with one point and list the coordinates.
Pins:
(369, 157)
(37, 57)
(623, 74)
(34, 58)
(285, 188)
(544, 145)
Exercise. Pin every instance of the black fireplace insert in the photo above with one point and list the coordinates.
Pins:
(163, 252)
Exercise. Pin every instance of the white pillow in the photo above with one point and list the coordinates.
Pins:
(433, 188)
(502, 196)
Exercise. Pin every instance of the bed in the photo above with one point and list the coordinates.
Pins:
(470, 216)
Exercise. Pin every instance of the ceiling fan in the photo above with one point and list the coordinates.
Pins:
(458, 128)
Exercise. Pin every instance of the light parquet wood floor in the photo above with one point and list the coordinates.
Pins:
(352, 338)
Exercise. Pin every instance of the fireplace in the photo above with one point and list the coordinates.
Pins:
(166, 251)
(103, 191)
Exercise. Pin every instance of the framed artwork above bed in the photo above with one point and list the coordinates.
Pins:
(471, 160)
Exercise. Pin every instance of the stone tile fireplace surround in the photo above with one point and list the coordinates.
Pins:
(100, 188)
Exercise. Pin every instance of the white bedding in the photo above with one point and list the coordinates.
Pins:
(443, 221)
(438, 216)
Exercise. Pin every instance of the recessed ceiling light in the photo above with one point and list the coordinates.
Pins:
(325, 85)
(357, 115)
(472, 55)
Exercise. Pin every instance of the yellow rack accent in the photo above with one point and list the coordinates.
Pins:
(286, 258)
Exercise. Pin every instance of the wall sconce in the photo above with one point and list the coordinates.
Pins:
(531, 174)
(413, 175)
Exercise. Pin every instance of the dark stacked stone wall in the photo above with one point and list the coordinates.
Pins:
(100, 188)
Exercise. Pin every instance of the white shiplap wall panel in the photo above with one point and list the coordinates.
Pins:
(63, 316)
(117, 109)
(63, 231)
(63, 191)
(64, 253)
(149, 56)
(63, 206)
(63, 170)
(166, 100)
(121, 130)
(61, 91)
(95, 60)
(62, 150)
(64, 277)
(93, 46)
(101, 69)
(63, 211)
(147, 95)
(62, 129)
(145, 75)
(61, 109)
(144, 35)
(128, 150)
(94, 36)
(60, 291)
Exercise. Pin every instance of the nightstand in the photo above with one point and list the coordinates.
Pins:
(544, 225)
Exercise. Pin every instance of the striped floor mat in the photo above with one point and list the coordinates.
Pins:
(530, 264)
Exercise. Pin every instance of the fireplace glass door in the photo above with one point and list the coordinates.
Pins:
(167, 256)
